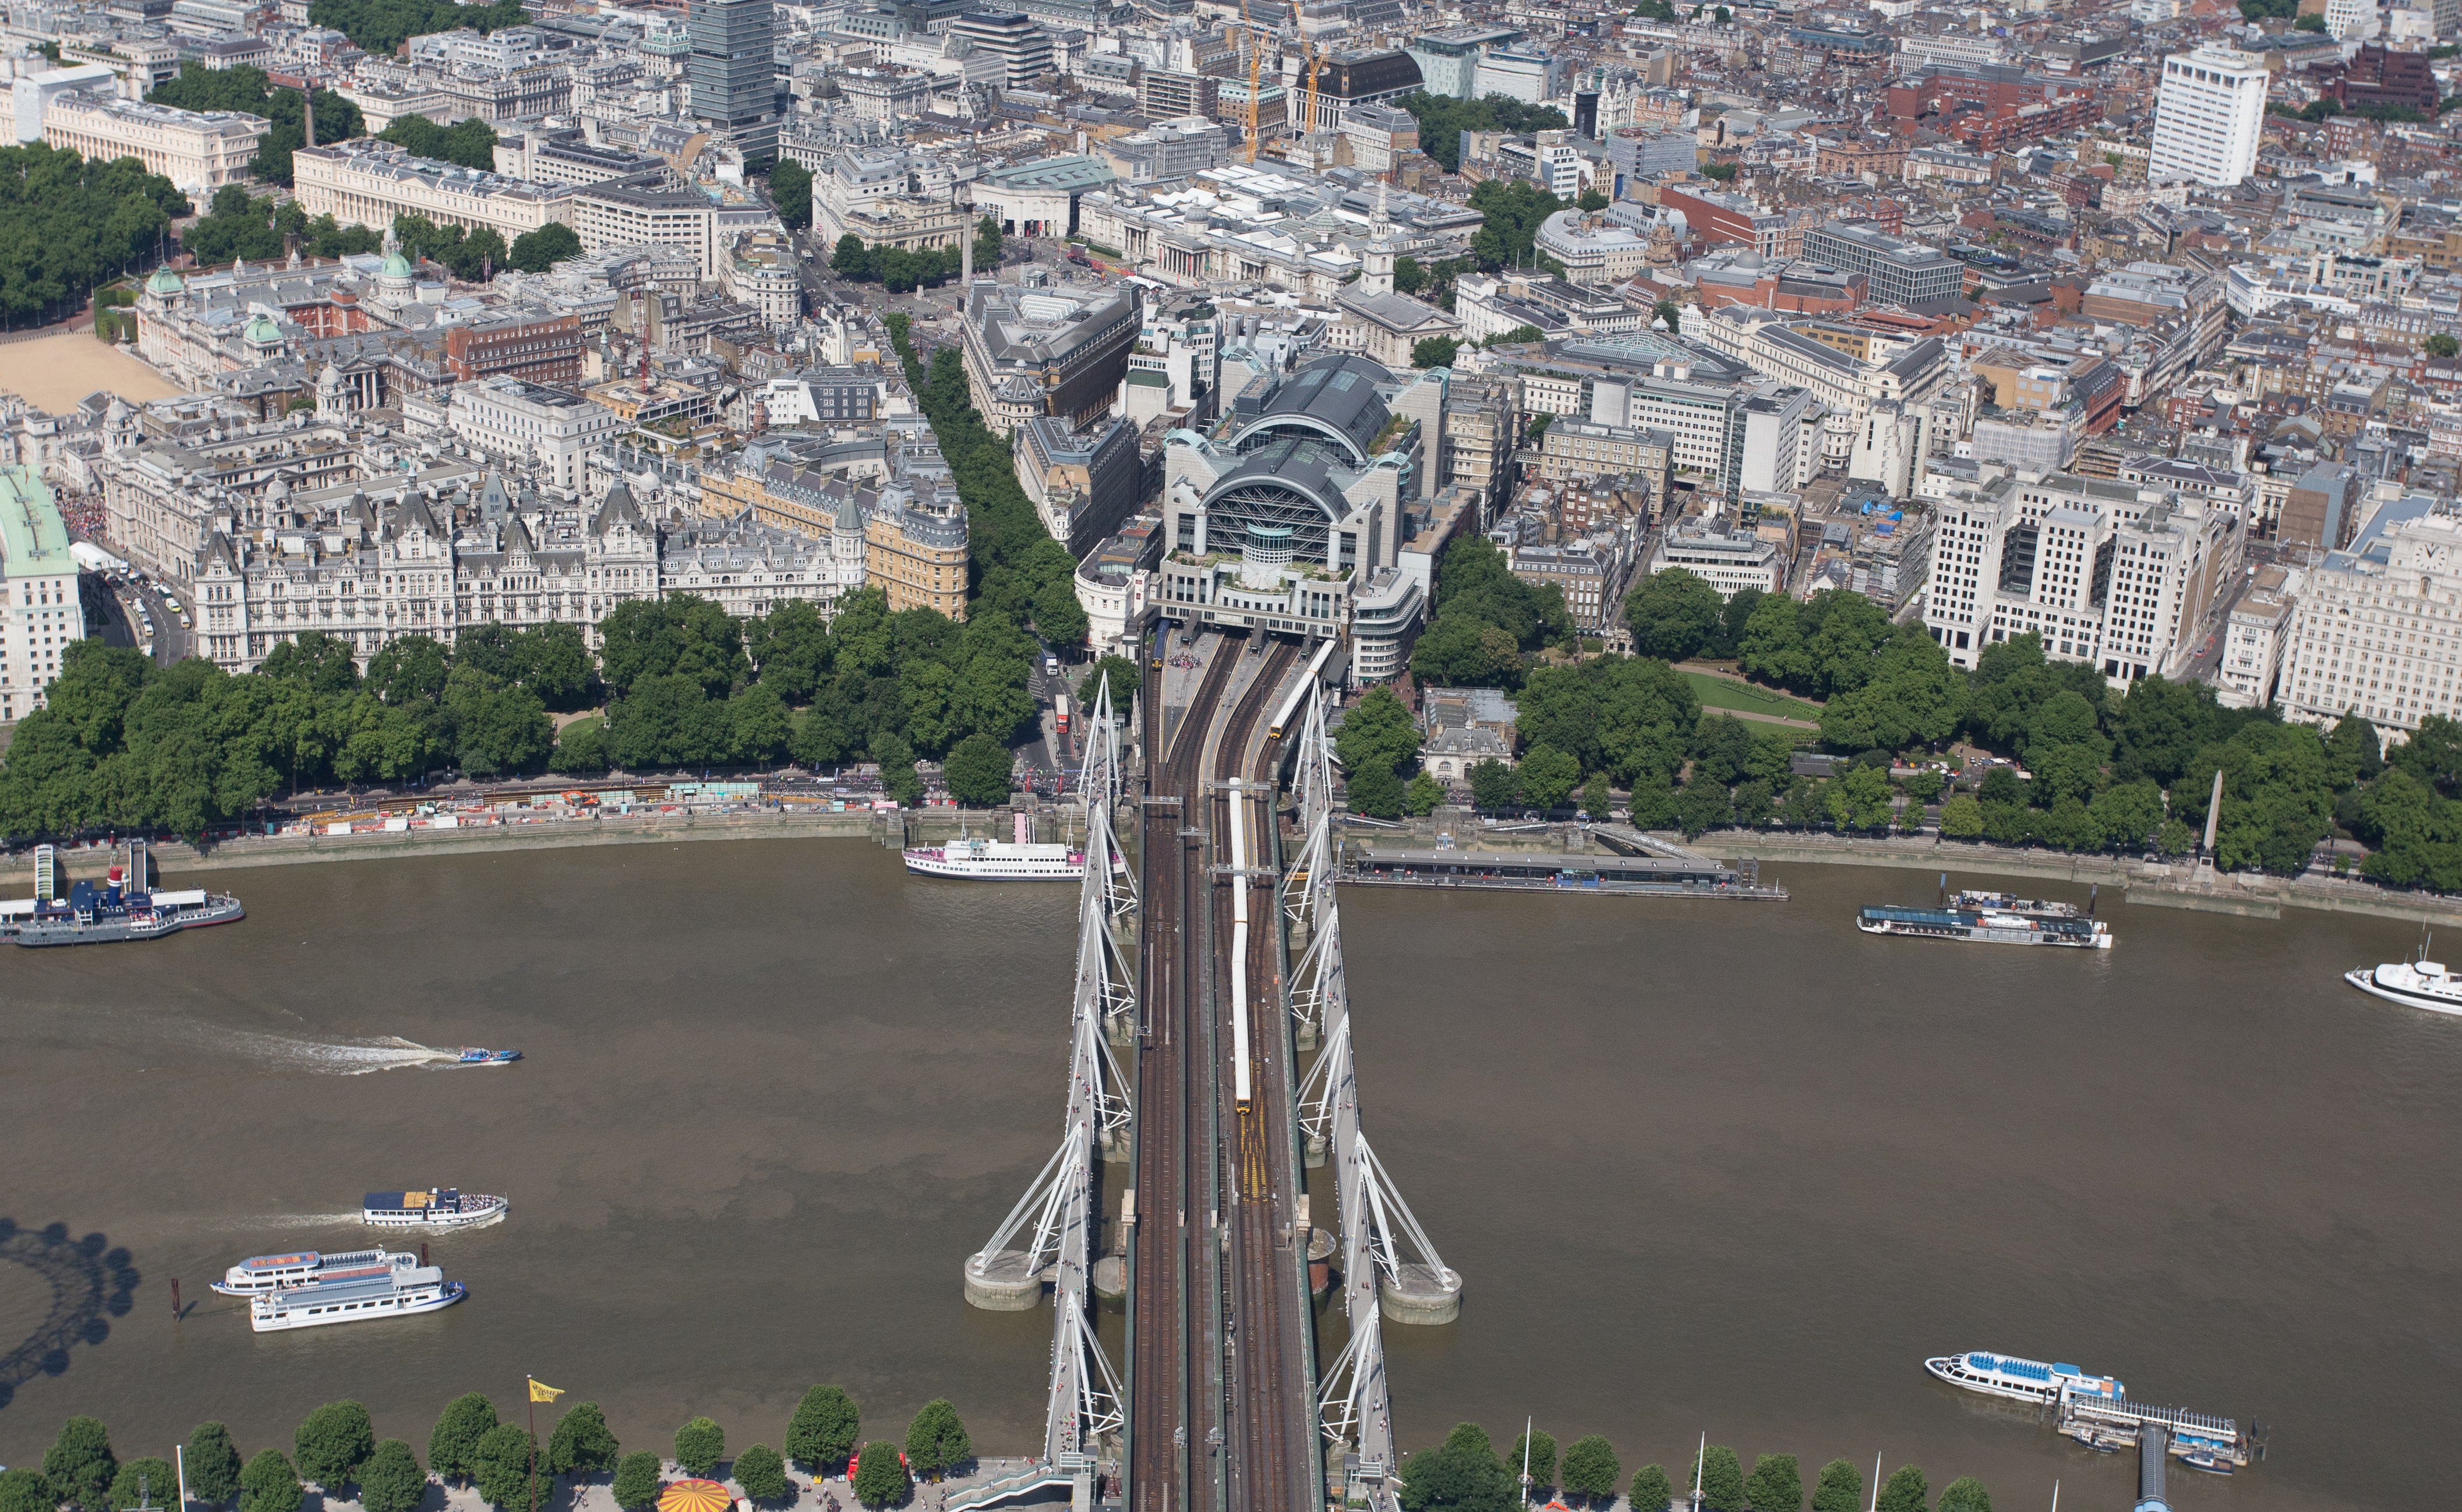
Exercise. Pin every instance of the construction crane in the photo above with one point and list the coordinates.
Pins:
(1308, 49)
(1256, 61)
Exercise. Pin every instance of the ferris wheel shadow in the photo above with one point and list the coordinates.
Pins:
(91, 1284)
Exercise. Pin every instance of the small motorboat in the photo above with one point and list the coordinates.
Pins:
(469, 1056)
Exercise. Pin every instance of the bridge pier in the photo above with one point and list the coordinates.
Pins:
(1110, 1277)
(1417, 1293)
(1006, 1282)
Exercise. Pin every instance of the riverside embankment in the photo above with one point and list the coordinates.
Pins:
(2243, 894)
(893, 830)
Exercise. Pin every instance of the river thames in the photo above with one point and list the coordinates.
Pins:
(1704, 1166)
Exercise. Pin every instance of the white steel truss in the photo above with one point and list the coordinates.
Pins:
(1355, 1404)
(1084, 1401)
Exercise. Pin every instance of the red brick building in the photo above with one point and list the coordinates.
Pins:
(535, 351)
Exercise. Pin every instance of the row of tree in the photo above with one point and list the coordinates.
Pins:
(1487, 621)
(899, 271)
(790, 190)
(124, 743)
(383, 26)
(1019, 570)
(237, 224)
(337, 1447)
(1466, 1473)
(469, 141)
(67, 225)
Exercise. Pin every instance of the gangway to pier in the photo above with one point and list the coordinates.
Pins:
(2110, 1421)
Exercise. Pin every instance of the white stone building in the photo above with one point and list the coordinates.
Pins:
(368, 182)
(39, 615)
(555, 428)
(2378, 627)
(2117, 576)
(199, 151)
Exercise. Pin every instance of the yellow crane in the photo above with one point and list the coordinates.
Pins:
(1308, 49)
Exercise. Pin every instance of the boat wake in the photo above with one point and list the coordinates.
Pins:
(345, 1058)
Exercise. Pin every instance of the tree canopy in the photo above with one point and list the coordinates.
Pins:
(936, 1441)
(762, 1474)
(213, 1464)
(700, 1446)
(537, 252)
(269, 1485)
(582, 1444)
(453, 1446)
(824, 1430)
(67, 225)
(391, 1481)
(381, 26)
(470, 141)
(252, 90)
(1486, 622)
(1463, 1471)
(500, 1469)
(880, 1478)
(80, 1465)
(790, 191)
(334, 1443)
(1443, 118)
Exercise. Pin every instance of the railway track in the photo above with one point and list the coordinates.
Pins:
(1221, 1408)
(1269, 1394)
(1168, 1377)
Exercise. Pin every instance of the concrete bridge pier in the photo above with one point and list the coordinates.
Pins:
(1004, 1281)
(1314, 1155)
(1420, 1294)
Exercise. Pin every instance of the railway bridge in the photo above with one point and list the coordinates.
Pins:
(1212, 1128)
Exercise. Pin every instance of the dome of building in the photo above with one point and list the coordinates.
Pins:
(166, 282)
(263, 329)
(395, 266)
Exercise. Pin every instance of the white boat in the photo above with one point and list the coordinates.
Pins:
(2021, 1379)
(262, 1273)
(395, 1294)
(2416, 983)
(982, 861)
(438, 1208)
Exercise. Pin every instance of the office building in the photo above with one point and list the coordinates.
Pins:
(2117, 576)
(2378, 627)
(1895, 271)
(2209, 111)
(1082, 483)
(40, 615)
(555, 428)
(1729, 561)
(199, 151)
(1057, 352)
(368, 182)
(733, 72)
(1024, 48)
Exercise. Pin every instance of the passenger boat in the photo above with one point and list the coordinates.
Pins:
(1991, 919)
(262, 1273)
(438, 1208)
(2416, 983)
(982, 860)
(395, 1294)
(471, 1056)
(2021, 1379)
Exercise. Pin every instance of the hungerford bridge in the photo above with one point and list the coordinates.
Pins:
(1218, 1072)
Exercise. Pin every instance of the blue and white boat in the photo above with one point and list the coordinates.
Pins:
(469, 1056)
(2021, 1380)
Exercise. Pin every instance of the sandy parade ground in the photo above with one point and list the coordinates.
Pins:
(56, 371)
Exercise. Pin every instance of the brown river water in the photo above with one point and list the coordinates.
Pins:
(1704, 1165)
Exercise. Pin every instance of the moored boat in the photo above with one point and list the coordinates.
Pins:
(2021, 1379)
(1985, 926)
(122, 906)
(982, 861)
(437, 1207)
(395, 1294)
(262, 1273)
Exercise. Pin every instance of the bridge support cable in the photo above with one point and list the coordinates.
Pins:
(1387, 1262)
(1083, 1407)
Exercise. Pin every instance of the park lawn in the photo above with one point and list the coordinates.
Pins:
(1722, 693)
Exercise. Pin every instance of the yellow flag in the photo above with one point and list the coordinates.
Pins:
(544, 1394)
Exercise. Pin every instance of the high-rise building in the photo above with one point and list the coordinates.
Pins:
(734, 74)
(2206, 117)
(1024, 48)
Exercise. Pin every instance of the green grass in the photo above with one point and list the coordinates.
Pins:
(1721, 693)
